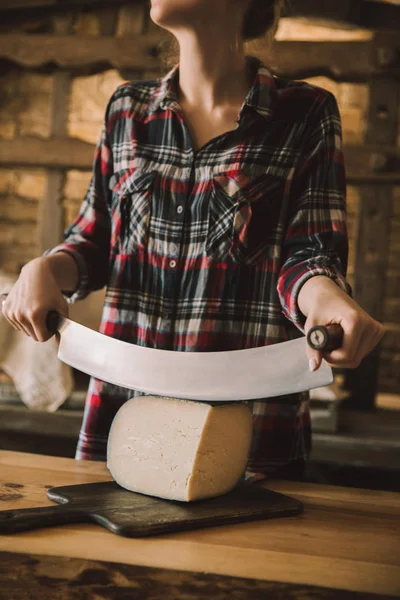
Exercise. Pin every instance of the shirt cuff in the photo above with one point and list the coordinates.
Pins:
(298, 275)
(82, 289)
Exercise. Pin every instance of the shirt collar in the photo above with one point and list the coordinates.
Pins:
(260, 96)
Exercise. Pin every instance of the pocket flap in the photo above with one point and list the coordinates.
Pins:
(127, 182)
(249, 187)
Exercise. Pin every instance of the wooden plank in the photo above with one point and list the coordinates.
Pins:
(50, 216)
(346, 538)
(349, 450)
(107, 17)
(347, 13)
(60, 470)
(379, 16)
(373, 238)
(20, 420)
(342, 61)
(49, 229)
(301, 7)
(393, 2)
(132, 22)
(365, 439)
(369, 163)
(66, 153)
(332, 13)
(9, 5)
(372, 163)
(22, 571)
(372, 247)
(80, 52)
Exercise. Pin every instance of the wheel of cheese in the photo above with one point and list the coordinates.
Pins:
(179, 449)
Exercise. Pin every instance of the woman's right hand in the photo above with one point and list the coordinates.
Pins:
(33, 295)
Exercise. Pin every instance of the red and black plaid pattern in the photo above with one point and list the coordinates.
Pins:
(206, 250)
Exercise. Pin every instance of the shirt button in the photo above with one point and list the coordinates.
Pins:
(179, 209)
(172, 263)
(174, 249)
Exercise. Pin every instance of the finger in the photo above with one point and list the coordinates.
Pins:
(35, 317)
(41, 331)
(12, 316)
(353, 328)
(13, 323)
(372, 333)
(372, 336)
(350, 363)
(9, 315)
(30, 326)
(24, 324)
(314, 358)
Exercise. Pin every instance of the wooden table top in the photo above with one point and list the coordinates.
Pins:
(346, 539)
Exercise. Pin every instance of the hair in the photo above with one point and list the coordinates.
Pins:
(260, 21)
(260, 18)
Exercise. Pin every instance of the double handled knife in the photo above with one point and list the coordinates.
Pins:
(225, 376)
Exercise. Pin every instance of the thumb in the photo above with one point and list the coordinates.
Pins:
(63, 307)
(314, 356)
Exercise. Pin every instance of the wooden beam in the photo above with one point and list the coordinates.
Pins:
(372, 163)
(342, 61)
(379, 16)
(344, 14)
(11, 5)
(79, 52)
(369, 163)
(107, 18)
(64, 153)
(393, 2)
(331, 12)
(50, 217)
(374, 15)
(131, 22)
(373, 239)
(50, 222)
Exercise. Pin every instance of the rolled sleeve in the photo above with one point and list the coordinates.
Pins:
(296, 277)
(316, 239)
(82, 289)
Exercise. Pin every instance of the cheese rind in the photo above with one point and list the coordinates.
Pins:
(179, 449)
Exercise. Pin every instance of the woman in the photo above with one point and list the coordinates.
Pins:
(215, 216)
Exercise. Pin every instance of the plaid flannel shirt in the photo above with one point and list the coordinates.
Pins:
(207, 250)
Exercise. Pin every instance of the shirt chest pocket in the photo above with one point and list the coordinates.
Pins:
(244, 219)
(131, 208)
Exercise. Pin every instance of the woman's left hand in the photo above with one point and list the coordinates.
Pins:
(326, 303)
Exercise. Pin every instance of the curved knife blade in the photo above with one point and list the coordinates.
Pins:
(233, 375)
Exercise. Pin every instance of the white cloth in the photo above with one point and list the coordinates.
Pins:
(41, 379)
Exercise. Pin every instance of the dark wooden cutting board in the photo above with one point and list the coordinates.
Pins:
(136, 515)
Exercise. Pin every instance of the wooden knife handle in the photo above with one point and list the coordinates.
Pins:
(53, 319)
(325, 338)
